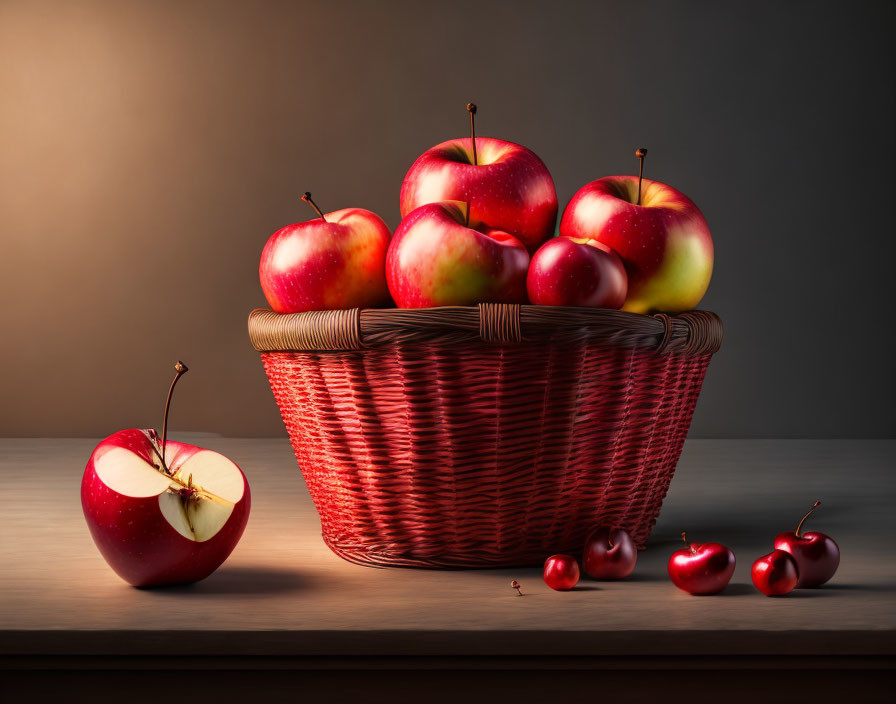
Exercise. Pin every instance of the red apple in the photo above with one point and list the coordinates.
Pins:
(817, 555)
(561, 572)
(334, 261)
(775, 574)
(659, 233)
(162, 513)
(439, 258)
(507, 186)
(701, 569)
(576, 272)
(609, 554)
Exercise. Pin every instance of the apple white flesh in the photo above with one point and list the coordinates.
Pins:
(197, 500)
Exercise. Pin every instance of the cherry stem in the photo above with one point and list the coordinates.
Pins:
(307, 198)
(641, 153)
(180, 368)
(814, 506)
(684, 537)
(471, 108)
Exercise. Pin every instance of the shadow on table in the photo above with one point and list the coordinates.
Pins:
(740, 589)
(855, 587)
(642, 577)
(242, 580)
(735, 589)
(737, 530)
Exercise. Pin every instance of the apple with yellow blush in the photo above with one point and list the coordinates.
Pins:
(440, 256)
(658, 232)
(334, 261)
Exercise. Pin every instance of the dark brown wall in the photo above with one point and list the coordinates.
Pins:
(149, 149)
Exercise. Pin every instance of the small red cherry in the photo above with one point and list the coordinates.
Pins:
(817, 555)
(701, 569)
(775, 574)
(561, 572)
(609, 554)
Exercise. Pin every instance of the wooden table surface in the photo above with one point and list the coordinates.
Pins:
(283, 593)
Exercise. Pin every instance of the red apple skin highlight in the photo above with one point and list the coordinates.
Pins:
(510, 188)
(664, 243)
(570, 272)
(326, 264)
(435, 259)
(135, 539)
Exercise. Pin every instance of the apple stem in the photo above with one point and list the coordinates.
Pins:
(814, 506)
(641, 153)
(471, 108)
(180, 368)
(684, 537)
(307, 198)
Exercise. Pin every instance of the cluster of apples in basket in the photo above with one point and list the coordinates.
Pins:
(804, 561)
(478, 219)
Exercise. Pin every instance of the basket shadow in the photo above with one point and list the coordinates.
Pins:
(246, 581)
(734, 531)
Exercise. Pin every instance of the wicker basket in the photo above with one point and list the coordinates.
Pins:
(483, 436)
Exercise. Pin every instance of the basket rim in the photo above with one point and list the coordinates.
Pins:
(691, 333)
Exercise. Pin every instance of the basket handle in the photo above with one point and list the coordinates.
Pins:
(667, 332)
(314, 330)
(691, 333)
(500, 322)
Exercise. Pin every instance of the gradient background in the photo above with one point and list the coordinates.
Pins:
(148, 149)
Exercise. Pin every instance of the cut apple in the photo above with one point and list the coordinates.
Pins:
(196, 496)
(163, 512)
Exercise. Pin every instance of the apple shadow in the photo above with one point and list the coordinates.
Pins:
(246, 581)
(807, 594)
(854, 587)
(632, 578)
(742, 589)
(641, 577)
(738, 589)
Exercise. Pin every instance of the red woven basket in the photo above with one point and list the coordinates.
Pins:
(483, 436)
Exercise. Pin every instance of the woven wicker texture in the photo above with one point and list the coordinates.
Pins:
(443, 443)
